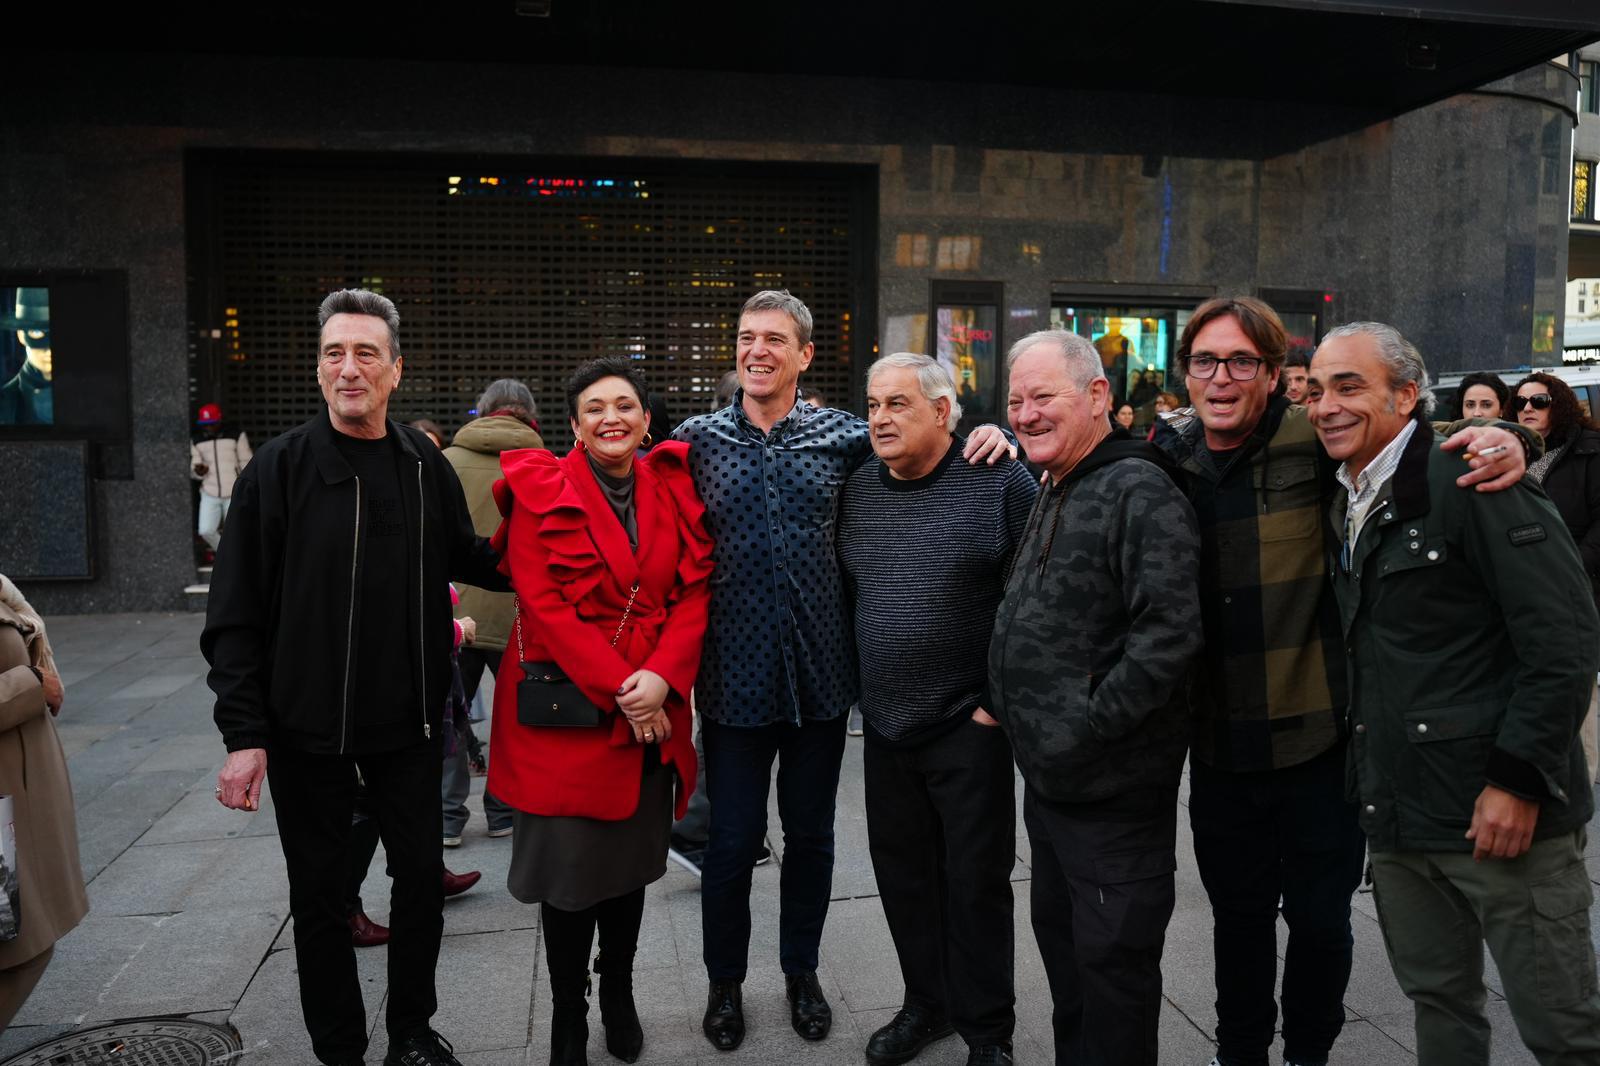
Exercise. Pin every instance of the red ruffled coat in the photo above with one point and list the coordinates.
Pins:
(568, 558)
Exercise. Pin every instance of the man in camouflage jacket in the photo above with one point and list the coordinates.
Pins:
(1087, 670)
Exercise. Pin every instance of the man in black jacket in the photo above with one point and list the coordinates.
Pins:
(1092, 646)
(328, 633)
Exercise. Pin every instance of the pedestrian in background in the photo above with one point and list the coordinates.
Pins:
(1569, 473)
(216, 456)
(508, 420)
(1483, 395)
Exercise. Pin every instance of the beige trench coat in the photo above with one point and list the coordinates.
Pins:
(33, 771)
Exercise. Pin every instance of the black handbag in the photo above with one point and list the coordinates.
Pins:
(546, 696)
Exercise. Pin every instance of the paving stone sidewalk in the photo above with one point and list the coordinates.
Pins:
(190, 911)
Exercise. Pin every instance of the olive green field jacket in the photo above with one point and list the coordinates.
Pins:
(1473, 643)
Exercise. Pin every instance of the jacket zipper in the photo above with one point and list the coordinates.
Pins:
(350, 629)
(422, 650)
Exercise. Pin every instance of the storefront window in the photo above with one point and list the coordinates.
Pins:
(966, 341)
(1137, 347)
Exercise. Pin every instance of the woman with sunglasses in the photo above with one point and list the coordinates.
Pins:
(1569, 472)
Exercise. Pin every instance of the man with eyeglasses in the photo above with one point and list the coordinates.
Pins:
(1267, 805)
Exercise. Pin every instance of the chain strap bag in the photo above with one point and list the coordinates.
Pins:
(546, 696)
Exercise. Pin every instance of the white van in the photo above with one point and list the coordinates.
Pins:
(1583, 377)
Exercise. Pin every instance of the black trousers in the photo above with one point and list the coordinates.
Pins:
(313, 797)
(568, 936)
(1259, 838)
(941, 824)
(1101, 898)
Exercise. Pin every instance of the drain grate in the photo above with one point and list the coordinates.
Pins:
(136, 1042)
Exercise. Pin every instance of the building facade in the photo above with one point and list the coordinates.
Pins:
(527, 217)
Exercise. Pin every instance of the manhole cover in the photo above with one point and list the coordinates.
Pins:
(136, 1042)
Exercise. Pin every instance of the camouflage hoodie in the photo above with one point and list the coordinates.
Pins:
(1093, 642)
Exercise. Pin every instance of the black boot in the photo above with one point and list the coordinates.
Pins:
(624, 1035)
(569, 1025)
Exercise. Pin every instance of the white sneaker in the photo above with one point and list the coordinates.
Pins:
(452, 842)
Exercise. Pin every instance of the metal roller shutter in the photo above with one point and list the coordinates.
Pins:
(516, 270)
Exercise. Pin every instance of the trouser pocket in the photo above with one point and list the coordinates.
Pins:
(1563, 952)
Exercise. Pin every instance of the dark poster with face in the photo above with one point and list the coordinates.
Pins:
(27, 368)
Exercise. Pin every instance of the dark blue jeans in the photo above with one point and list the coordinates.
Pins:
(738, 776)
(1261, 837)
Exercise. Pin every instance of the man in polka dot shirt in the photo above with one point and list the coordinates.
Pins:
(778, 673)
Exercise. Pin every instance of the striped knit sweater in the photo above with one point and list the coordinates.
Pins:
(925, 564)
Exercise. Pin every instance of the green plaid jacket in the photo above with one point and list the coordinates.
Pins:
(1271, 688)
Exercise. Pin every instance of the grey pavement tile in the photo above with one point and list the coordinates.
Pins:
(861, 955)
(86, 961)
(102, 764)
(79, 736)
(516, 1056)
(1372, 990)
(157, 684)
(186, 751)
(152, 880)
(198, 816)
(124, 812)
(191, 961)
(244, 874)
(1361, 1041)
(268, 1014)
(18, 1038)
(1398, 1024)
(485, 987)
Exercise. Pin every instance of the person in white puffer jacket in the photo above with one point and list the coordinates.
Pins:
(216, 456)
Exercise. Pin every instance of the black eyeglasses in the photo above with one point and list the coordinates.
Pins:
(1240, 367)
(1541, 402)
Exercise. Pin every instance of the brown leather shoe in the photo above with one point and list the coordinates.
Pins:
(455, 884)
(366, 933)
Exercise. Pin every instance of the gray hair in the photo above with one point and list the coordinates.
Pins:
(934, 380)
(508, 394)
(1400, 357)
(1082, 359)
(781, 300)
(363, 302)
(727, 385)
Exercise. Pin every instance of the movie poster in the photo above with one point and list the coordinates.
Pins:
(27, 396)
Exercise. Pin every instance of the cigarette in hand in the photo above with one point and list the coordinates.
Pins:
(1486, 453)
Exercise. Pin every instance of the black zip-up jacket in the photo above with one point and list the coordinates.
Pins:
(284, 615)
(1093, 643)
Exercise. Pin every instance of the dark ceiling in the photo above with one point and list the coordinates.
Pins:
(1359, 54)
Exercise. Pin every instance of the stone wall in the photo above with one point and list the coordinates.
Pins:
(1447, 221)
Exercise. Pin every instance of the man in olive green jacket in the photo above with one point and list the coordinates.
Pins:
(505, 422)
(1473, 645)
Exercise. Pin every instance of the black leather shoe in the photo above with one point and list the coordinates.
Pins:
(809, 1012)
(426, 1048)
(990, 1055)
(724, 1020)
(911, 1030)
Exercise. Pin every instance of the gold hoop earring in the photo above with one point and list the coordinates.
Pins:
(648, 441)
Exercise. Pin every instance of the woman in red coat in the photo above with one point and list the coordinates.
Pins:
(609, 557)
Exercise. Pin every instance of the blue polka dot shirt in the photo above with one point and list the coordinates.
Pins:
(778, 646)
